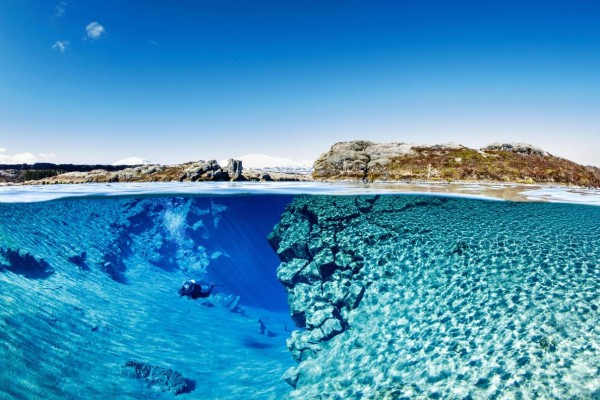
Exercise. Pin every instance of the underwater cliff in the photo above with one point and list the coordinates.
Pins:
(316, 296)
(422, 296)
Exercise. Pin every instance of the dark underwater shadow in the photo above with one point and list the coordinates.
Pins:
(253, 344)
(190, 386)
(24, 264)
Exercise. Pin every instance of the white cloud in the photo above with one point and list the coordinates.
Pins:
(60, 45)
(132, 161)
(23, 158)
(20, 158)
(94, 30)
(60, 9)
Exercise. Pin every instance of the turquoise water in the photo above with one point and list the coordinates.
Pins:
(453, 298)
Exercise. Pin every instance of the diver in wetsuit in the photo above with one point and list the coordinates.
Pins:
(193, 290)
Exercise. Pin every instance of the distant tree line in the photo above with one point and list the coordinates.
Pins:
(62, 167)
(35, 174)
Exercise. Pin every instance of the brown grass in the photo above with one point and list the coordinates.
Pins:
(502, 166)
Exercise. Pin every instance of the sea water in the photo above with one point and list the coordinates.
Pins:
(461, 298)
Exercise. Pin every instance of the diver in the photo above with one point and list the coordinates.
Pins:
(193, 290)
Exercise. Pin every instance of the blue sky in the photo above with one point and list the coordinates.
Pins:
(174, 81)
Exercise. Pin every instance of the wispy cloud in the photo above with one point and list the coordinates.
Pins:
(60, 45)
(24, 158)
(94, 30)
(20, 158)
(60, 9)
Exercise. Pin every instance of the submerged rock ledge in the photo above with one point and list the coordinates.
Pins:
(420, 296)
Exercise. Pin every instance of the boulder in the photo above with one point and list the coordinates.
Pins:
(519, 148)
(202, 170)
(163, 379)
(356, 159)
(234, 169)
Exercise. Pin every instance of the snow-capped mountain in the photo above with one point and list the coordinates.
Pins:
(276, 164)
(132, 161)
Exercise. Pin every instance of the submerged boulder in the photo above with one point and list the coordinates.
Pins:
(163, 379)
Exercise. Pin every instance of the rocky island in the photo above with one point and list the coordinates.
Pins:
(355, 161)
(362, 160)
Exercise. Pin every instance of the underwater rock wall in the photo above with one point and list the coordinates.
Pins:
(422, 296)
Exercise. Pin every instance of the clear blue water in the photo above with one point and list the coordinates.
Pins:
(468, 299)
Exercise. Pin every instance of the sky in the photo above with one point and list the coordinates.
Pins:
(180, 80)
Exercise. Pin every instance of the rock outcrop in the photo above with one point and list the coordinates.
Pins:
(354, 160)
(197, 171)
(204, 171)
(500, 162)
(10, 175)
(234, 169)
(318, 273)
(519, 148)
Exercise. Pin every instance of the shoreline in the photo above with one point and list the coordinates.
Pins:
(478, 190)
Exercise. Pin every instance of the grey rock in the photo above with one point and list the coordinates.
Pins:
(520, 148)
(318, 276)
(319, 317)
(310, 273)
(234, 169)
(303, 345)
(354, 160)
(291, 377)
(201, 170)
(288, 272)
(330, 328)
(11, 175)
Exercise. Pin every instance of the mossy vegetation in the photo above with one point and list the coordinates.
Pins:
(502, 166)
(36, 174)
